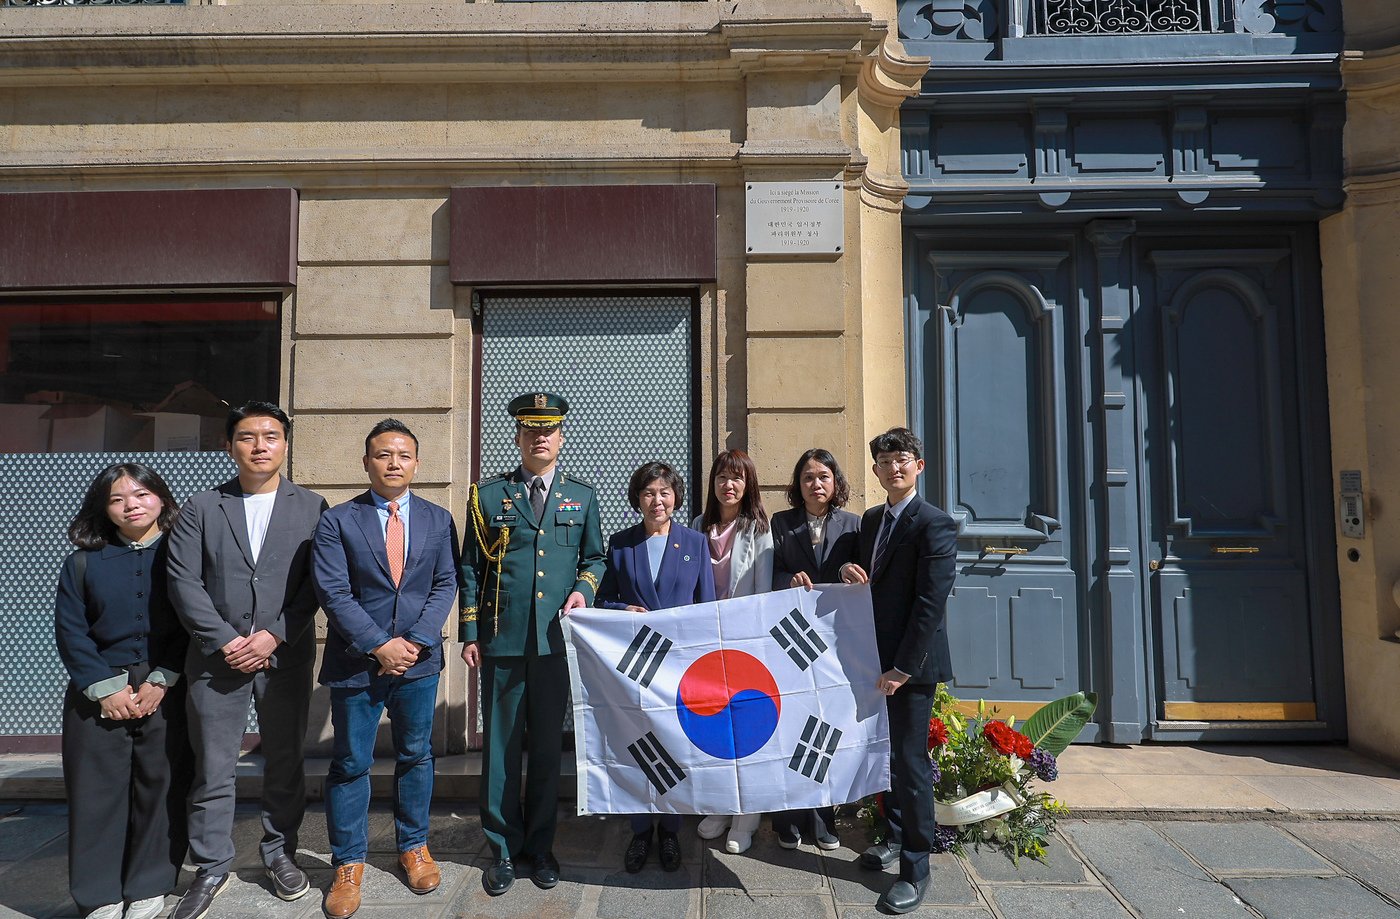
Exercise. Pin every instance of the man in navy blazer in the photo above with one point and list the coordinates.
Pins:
(385, 569)
(908, 553)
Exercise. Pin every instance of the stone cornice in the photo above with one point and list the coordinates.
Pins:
(464, 42)
(1371, 72)
(889, 76)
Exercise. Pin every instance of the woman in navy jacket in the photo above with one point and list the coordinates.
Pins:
(126, 755)
(656, 564)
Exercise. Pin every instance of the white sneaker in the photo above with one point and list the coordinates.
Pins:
(713, 827)
(148, 908)
(741, 832)
(110, 911)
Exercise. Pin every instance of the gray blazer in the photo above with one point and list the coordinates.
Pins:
(219, 594)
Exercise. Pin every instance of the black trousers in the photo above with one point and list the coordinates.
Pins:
(909, 806)
(811, 822)
(127, 782)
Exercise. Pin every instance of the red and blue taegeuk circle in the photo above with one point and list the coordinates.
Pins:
(728, 704)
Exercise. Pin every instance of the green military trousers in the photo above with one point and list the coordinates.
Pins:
(524, 699)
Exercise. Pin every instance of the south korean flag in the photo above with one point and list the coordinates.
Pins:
(742, 706)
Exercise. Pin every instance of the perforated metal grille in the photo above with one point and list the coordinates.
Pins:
(42, 493)
(625, 364)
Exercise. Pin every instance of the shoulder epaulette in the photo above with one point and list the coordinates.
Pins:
(570, 477)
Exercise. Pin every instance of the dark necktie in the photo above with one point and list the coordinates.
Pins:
(537, 499)
(882, 544)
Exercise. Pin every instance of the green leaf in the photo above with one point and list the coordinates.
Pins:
(1057, 723)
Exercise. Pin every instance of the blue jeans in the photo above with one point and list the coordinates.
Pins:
(355, 713)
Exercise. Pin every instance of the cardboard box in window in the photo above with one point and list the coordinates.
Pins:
(24, 429)
(178, 432)
(78, 428)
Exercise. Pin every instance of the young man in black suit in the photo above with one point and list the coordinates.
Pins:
(908, 552)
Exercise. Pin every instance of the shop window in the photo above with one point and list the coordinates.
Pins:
(91, 377)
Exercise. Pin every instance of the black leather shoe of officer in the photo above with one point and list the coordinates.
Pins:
(546, 871)
(197, 900)
(904, 896)
(498, 877)
(880, 856)
(637, 851)
(288, 881)
(670, 846)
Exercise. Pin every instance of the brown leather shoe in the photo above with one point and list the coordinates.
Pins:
(422, 871)
(344, 896)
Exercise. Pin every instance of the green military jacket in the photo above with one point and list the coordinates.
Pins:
(545, 561)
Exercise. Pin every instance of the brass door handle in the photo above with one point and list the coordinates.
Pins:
(1004, 550)
(1235, 550)
(1153, 565)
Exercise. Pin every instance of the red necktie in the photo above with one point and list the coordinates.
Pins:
(393, 542)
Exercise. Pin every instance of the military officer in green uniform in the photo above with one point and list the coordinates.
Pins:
(534, 549)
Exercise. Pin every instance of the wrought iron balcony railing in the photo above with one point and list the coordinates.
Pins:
(1121, 17)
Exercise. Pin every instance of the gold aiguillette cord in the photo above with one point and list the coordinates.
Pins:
(495, 552)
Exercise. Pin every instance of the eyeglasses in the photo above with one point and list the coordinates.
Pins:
(891, 464)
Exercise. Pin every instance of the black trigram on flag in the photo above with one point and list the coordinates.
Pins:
(644, 655)
(814, 752)
(660, 768)
(797, 637)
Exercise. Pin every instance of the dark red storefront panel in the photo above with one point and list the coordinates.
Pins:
(134, 240)
(581, 234)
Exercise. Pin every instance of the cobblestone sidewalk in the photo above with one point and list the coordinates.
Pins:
(1097, 869)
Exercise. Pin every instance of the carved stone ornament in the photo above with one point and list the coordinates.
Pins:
(948, 20)
(1261, 17)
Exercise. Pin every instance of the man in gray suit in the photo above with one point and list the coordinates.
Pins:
(240, 580)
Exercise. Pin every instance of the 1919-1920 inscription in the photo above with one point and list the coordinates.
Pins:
(787, 218)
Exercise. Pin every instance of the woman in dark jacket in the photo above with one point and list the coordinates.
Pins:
(656, 564)
(811, 542)
(126, 755)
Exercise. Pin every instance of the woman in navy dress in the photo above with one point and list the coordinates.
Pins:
(811, 541)
(656, 564)
(126, 756)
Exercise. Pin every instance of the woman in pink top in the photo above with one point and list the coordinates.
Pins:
(741, 553)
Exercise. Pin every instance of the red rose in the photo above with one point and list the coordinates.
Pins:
(937, 733)
(1006, 740)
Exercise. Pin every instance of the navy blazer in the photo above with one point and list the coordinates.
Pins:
(120, 615)
(910, 590)
(350, 570)
(686, 576)
(793, 552)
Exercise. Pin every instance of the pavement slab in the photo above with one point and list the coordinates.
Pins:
(728, 904)
(1312, 898)
(1027, 902)
(28, 829)
(651, 893)
(923, 912)
(37, 885)
(853, 885)
(1153, 875)
(523, 899)
(763, 867)
(1366, 849)
(1061, 866)
(1244, 847)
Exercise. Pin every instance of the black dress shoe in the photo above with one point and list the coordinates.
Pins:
(498, 877)
(904, 896)
(637, 851)
(880, 856)
(546, 873)
(197, 900)
(288, 881)
(670, 847)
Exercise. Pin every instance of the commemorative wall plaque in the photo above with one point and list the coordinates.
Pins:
(794, 218)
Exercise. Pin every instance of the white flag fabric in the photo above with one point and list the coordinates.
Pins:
(743, 706)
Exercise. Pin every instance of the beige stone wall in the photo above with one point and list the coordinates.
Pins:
(374, 111)
(1361, 272)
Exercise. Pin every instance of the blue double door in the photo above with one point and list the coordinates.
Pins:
(1129, 423)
